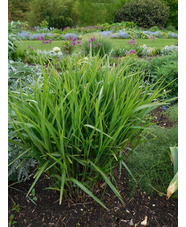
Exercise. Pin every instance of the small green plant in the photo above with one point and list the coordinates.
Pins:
(77, 122)
(11, 221)
(16, 207)
(33, 194)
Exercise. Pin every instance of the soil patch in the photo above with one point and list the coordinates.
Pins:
(86, 212)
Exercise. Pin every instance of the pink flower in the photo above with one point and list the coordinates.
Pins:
(94, 45)
(99, 44)
(29, 46)
(79, 41)
(67, 51)
(88, 45)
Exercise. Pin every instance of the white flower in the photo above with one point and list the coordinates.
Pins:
(56, 49)
(86, 59)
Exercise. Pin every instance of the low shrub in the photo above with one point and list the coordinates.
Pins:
(145, 13)
(169, 50)
(76, 123)
(171, 28)
(167, 68)
(172, 113)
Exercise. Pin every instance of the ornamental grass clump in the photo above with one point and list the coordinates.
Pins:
(77, 123)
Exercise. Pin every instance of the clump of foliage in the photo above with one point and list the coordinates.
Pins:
(145, 13)
(167, 68)
(97, 44)
(171, 28)
(76, 123)
(12, 39)
(172, 113)
(58, 14)
(150, 163)
(173, 12)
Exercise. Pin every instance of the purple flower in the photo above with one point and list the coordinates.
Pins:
(79, 41)
(50, 40)
(132, 52)
(99, 44)
(73, 43)
(94, 45)
(93, 39)
(74, 39)
(67, 51)
(38, 38)
(88, 45)
(82, 49)
(29, 46)
(70, 37)
(126, 52)
(65, 46)
(32, 48)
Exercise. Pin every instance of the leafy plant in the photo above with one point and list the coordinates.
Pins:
(144, 13)
(97, 45)
(12, 39)
(33, 194)
(76, 123)
(16, 207)
(11, 220)
(173, 186)
(166, 66)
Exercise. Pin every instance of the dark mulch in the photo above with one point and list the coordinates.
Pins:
(72, 213)
(85, 212)
(160, 118)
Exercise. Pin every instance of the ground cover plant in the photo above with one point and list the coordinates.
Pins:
(93, 115)
(150, 163)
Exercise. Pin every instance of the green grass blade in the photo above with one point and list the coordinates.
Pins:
(107, 181)
(87, 191)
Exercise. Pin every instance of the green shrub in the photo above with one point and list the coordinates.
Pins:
(172, 113)
(58, 14)
(173, 15)
(101, 45)
(44, 24)
(171, 28)
(78, 122)
(13, 40)
(154, 28)
(145, 13)
(166, 67)
(150, 163)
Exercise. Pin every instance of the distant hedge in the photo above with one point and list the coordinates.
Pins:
(145, 13)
